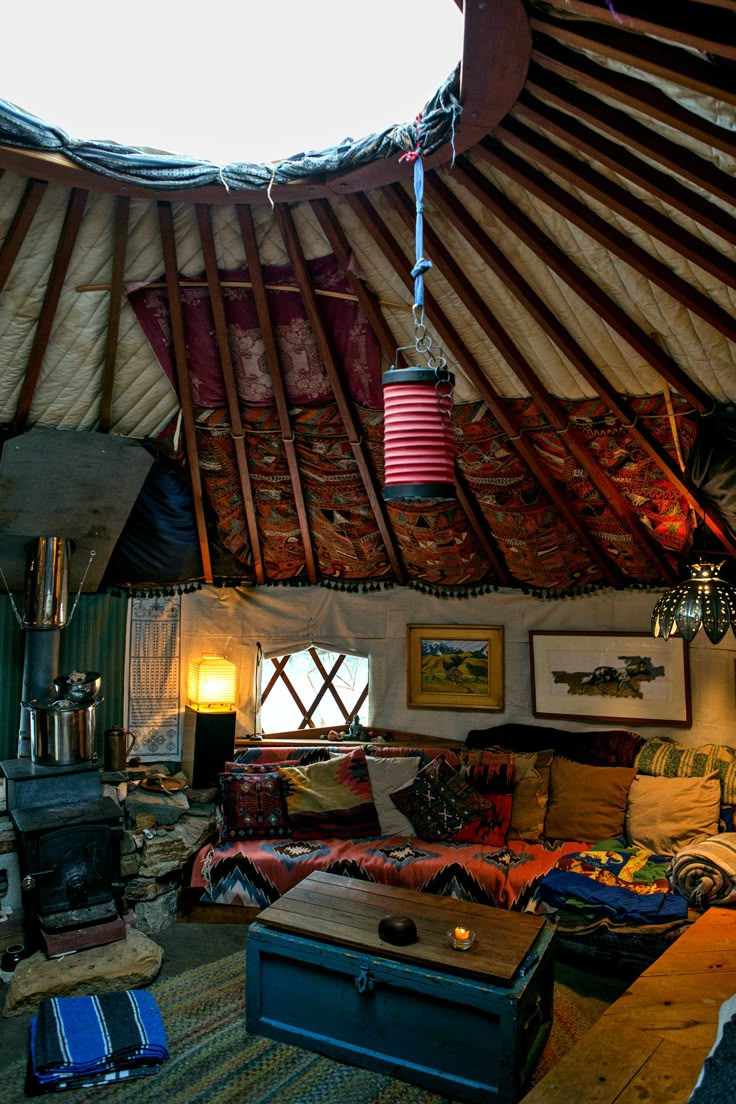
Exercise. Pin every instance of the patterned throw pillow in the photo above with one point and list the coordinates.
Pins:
(277, 756)
(439, 803)
(669, 759)
(259, 768)
(331, 799)
(491, 775)
(252, 805)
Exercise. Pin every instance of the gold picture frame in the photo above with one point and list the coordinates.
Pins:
(454, 667)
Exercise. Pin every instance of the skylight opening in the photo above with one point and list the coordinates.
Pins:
(252, 82)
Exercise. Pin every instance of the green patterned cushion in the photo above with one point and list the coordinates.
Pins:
(664, 757)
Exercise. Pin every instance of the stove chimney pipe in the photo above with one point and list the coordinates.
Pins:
(44, 616)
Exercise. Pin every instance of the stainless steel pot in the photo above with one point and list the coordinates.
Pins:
(62, 735)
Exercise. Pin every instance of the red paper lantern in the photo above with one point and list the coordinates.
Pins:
(417, 434)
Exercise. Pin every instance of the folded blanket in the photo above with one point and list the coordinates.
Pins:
(625, 883)
(705, 872)
(34, 1086)
(83, 1039)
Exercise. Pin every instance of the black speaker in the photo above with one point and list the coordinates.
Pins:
(209, 741)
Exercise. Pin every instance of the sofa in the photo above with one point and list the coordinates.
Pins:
(505, 819)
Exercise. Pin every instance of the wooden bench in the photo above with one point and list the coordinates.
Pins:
(652, 1042)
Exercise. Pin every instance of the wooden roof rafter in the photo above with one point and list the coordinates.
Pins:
(299, 267)
(690, 24)
(451, 208)
(629, 136)
(171, 269)
(115, 302)
(560, 117)
(477, 521)
(485, 191)
(628, 91)
(672, 63)
(501, 154)
(452, 340)
(62, 257)
(273, 361)
(546, 403)
(583, 176)
(19, 227)
(341, 248)
(207, 239)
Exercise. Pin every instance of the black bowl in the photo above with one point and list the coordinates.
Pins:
(399, 930)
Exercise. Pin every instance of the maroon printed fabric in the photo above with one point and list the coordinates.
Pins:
(598, 747)
(305, 378)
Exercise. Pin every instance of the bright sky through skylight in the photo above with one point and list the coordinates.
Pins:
(252, 80)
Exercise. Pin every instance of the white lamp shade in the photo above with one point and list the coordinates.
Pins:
(211, 684)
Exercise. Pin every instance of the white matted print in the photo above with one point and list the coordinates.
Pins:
(154, 660)
(615, 678)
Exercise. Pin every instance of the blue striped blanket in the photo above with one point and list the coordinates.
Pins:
(78, 1041)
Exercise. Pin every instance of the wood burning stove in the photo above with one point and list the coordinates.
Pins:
(69, 850)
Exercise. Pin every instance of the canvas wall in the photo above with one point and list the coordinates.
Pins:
(231, 621)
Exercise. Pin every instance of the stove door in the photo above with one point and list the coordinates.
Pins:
(75, 867)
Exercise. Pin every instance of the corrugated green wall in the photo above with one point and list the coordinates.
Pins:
(94, 641)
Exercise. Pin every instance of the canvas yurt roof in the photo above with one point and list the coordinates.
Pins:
(192, 354)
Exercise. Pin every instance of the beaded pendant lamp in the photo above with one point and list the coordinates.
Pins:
(704, 600)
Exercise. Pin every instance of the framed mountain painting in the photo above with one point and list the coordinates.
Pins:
(454, 667)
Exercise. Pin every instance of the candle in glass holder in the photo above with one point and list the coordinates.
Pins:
(461, 938)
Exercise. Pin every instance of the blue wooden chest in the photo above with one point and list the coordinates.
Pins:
(456, 1034)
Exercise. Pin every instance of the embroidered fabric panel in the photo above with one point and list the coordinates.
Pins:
(435, 541)
(342, 526)
(535, 541)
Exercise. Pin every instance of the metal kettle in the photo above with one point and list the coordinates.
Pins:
(118, 744)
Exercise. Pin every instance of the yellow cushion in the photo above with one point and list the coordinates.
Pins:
(586, 803)
(666, 814)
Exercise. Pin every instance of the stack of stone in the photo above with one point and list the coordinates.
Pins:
(164, 830)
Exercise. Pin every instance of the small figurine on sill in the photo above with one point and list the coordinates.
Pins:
(356, 730)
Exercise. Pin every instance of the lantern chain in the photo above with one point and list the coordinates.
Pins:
(434, 357)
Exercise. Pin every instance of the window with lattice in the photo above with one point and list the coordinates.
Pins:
(313, 688)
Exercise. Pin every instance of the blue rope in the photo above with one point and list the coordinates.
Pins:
(422, 265)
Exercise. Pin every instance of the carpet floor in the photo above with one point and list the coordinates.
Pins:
(212, 1058)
